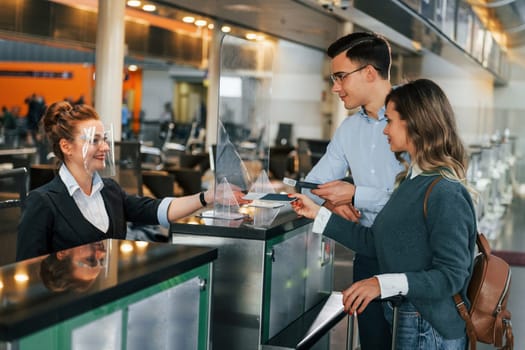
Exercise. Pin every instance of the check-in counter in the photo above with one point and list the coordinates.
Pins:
(266, 278)
(113, 294)
(17, 156)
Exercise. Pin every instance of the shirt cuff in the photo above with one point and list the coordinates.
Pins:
(393, 284)
(321, 220)
(162, 211)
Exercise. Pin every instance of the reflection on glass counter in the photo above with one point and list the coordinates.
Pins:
(108, 294)
(74, 269)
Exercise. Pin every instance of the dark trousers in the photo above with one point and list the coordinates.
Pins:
(374, 330)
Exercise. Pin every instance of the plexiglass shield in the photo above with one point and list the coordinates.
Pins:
(242, 150)
(98, 151)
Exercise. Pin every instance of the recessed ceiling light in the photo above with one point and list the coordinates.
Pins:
(211, 26)
(226, 29)
(251, 36)
(149, 7)
(133, 3)
(188, 19)
(133, 67)
(243, 8)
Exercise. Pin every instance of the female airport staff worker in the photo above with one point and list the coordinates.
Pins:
(78, 206)
(426, 258)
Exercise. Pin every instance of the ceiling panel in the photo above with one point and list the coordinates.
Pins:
(287, 19)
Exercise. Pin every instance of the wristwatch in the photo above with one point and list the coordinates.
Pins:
(202, 199)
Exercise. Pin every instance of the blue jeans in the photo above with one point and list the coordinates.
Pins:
(414, 333)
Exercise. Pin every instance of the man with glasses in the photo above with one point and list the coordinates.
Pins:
(360, 63)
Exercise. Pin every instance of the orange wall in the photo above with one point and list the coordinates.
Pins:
(14, 90)
(132, 90)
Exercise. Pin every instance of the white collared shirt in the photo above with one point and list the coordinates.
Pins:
(414, 171)
(91, 206)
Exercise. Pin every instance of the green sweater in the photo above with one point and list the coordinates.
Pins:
(436, 253)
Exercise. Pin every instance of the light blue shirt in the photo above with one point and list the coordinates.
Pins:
(92, 206)
(359, 146)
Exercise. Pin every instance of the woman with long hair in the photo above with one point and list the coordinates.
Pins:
(427, 258)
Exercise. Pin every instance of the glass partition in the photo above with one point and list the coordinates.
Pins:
(242, 152)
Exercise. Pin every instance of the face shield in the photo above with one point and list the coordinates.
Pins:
(98, 150)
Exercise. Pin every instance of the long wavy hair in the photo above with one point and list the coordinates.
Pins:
(431, 126)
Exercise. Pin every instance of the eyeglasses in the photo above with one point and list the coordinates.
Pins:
(339, 77)
(91, 262)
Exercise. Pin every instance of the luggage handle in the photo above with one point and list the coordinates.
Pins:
(395, 301)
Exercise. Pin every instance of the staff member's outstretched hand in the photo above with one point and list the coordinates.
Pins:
(304, 206)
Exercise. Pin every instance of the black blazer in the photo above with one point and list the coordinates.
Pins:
(51, 220)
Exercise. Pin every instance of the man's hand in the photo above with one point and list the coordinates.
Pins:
(336, 192)
(346, 211)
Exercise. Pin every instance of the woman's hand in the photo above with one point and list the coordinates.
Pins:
(304, 206)
(360, 294)
(227, 195)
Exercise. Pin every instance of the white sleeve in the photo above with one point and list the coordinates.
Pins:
(393, 284)
(321, 220)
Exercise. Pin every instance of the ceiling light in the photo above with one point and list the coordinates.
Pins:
(133, 3)
(251, 36)
(188, 19)
(133, 68)
(226, 29)
(211, 26)
(149, 7)
(200, 23)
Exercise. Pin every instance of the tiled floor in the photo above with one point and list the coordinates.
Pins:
(511, 238)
